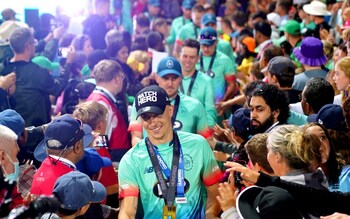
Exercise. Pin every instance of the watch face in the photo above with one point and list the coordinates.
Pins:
(211, 74)
(177, 125)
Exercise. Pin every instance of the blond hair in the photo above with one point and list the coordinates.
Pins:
(300, 150)
(137, 60)
(344, 65)
(91, 113)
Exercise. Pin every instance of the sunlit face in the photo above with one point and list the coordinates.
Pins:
(325, 148)
(123, 54)
(163, 29)
(338, 55)
(158, 127)
(188, 58)
(170, 83)
(10, 157)
(341, 80)
(261, 116)
(208, 50)
(186, 13)
(87, 49)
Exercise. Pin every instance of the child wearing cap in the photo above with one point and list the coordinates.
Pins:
(76, 192)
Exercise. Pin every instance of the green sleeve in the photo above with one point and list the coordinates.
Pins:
(126, 15)
(296, 118)
(230, 68)
(172, 35)
(202, 124)
(210, 104)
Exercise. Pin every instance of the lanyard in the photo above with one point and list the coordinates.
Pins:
(193, 78)
(195, 30)
(208, 72)
(176, 172)
(176, 108)
(107, 96)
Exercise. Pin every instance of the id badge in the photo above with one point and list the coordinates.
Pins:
(169, 214)
(180, 200)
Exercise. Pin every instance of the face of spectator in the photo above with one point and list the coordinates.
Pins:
(153, 10)
(9, 157)
(196, 18)
(208, 50)
(341, 80)
(87, 49)
(170, 83)
(158, 127)
(123, 54)
(261, 116)
(186, 13)
(163, 29)
(273, 159)
(325, 147)
(304, 104)
(188, 58)
(338, 55)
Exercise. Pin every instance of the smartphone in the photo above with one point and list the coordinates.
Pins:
(101, 141)
(237, 175)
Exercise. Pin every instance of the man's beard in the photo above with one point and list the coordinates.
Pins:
(263, 126)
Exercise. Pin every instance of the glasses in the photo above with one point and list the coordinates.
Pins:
(207, 37)
(148, 116)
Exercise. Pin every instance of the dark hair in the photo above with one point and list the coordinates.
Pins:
(19, 39)
(157, 22)
(271, 52)
(248, 90)
(95, 57)
(240, 18)
(66, 39)
(192, 44)
(346, 111)
(259, 14)
(79, 41)
(285, 5)
(113, 49)
(142, 20)
(154, 39)
(227, 22)
(256, 71)
(79, 61)
(139, 44)
(272, 7)
(275, 98)
(343, 48)
(286, 47)
(332, 164)
(198, 8)
(318, 92)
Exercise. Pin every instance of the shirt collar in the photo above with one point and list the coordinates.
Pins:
(64, 160)
(107, 91)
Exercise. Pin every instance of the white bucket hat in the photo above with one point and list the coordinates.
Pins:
(316, 8)
(274, 18)
(7, 28)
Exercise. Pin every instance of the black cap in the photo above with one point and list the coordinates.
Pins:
(263, 28)
(151, 99)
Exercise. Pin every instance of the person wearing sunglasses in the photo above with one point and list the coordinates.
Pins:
(63, 146)
(185, 159)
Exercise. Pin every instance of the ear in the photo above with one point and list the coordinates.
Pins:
(2, 157)
(82, 210)
(99, 126)
(171, 110)
(78, 147)
(274, 79)
(276, 113)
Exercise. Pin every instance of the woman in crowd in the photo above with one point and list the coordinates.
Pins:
(82, 43)
(342, 79)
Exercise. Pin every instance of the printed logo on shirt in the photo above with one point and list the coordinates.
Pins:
(148, 170)
(177, 125)
(188, 162)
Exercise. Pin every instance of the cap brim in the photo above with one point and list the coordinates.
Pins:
(149, 109)
(99, 192)
(264, 69)
(309, 61)
(312, 118)
(168, 72)
(207, 42)
(208, 22)
(40, 150)
(106, 162)
(245, 202)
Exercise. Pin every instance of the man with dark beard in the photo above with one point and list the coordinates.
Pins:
(269, 108)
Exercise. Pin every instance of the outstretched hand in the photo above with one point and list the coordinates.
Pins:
(249, 176)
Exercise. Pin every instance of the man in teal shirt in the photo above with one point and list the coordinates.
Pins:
(194, 83)
(209, 20)
(216, 65)
(189, 113)
(180, 21)
(190, 30)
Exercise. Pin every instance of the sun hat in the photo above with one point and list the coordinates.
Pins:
(310, 52)
(316, 8)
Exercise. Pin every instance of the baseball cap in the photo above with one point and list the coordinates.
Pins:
(67, 131)
(75, 190)
(92, 162)
(331, 116)
(249, 42)
(155, 3)
(280, 65)
(12, 120)
(44, 62)
(7, 28)
(208, 18)
(169, 65)
(188, 4)
(263, 28)
(292, 27)
(269, 202)
(151, 99)
(240, 121)
(208, 36)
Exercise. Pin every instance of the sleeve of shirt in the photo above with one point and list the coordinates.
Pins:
(209, 104)
(230, 70)
(296, 118)
(172, 35)
(134, 125)
(181, 35)
(202, 122)
(127, 178)
(211, 173)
